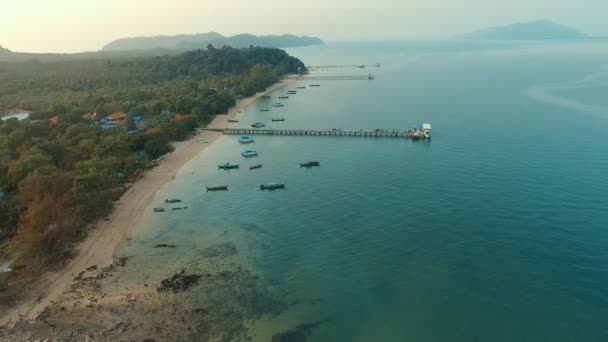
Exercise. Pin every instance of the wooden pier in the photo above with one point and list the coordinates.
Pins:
(360, 66)
(333, 78)
(324, 132)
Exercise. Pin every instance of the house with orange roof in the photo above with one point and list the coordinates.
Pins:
(180, 116)
(54, 119)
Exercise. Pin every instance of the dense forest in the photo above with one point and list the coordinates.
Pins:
(57, 177)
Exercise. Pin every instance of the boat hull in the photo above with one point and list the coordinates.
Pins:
(217, 188)
(228, 167)
(272, 186)
(249, 154)
(310, 164)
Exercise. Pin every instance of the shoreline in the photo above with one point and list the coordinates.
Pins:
(109, 234)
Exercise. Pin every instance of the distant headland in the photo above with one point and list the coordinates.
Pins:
(163, 45)
(201, 40)
(532, 30)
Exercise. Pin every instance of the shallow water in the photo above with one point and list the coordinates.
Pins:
(493, 231)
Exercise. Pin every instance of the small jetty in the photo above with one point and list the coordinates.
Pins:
(313, 67)
(333, 78)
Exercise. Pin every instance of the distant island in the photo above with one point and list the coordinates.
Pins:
(201, 40)
(533, 30)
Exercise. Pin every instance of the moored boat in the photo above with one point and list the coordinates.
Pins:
(272, 186)
(245, 139)
(249, 153)
(217, 188)
(278, 119)
(310, 163)
(228, 166)
(277, 104)
(258, 125)
(253, 167)
(283, 97)
(232, 120)
(159, 210)
(315, 85)
(301, 87)
(173, 200)
(264, 110)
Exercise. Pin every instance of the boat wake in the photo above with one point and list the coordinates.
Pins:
(546, 94)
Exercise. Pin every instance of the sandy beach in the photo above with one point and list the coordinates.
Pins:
(96, 252)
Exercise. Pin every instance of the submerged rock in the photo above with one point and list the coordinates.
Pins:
(301, 333)
(220, 250)
(179, 282)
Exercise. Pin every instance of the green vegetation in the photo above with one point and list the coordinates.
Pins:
(58, 177)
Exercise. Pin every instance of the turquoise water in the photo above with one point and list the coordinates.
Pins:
(496, 230)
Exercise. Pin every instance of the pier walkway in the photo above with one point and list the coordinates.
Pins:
(411, 133)
(361, 66)
(332, 78)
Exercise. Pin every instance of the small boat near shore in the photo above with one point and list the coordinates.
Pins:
(291, 92)
(217, 188)
(173, 200)
(264, 110)
(245, 139)
(258, 125)
(310, 163)
(315, 85)
(159, 210)
(274, 120)
(253, 167)
(249, 153)
(272, 186)
(228, 166)
(283, 97)
(277, 104)
(232, 120)
(300, 87)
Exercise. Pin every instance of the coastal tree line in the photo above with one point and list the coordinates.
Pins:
(57, 178)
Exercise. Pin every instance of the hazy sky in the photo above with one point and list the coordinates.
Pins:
(79, 25)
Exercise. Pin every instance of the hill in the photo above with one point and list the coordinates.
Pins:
(533, 30)
(201, 40)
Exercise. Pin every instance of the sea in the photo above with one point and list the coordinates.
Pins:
(494, 230)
